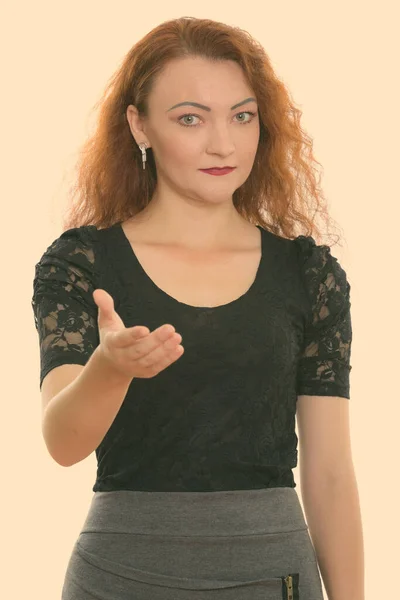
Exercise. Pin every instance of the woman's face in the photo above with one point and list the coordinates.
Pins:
(216, 136)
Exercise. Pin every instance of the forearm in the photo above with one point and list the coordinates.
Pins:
(78, 417)
(333, 515)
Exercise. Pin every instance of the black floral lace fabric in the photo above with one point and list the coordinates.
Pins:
(324, 364)
(222, 417)
(65, 312)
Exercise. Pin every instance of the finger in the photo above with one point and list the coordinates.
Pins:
(153, 341)
(131, 335)
(167, 359)
(149, 355)
(106, 309)
(128, 336)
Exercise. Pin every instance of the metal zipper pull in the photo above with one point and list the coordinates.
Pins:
(289, 587)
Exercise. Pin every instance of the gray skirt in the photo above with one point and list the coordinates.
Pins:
(224, 545)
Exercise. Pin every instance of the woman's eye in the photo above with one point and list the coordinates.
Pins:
(190, 115)
(185, 117)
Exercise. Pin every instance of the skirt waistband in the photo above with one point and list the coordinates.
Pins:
(244, 512)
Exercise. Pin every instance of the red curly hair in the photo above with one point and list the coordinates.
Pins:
(281, 190)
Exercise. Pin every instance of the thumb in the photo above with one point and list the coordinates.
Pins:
(106, 315)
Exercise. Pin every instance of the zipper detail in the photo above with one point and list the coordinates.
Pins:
(289, 586)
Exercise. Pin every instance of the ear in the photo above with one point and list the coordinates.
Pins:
(136, 125)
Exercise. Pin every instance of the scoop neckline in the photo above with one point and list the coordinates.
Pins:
(131, 255)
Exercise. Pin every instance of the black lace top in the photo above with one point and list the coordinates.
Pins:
(222, 417)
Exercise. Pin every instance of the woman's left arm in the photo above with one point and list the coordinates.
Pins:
(330, 494)
(332, 510)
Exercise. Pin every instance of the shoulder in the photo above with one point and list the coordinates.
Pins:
(77, 244)
(317, 262)
(84, 236)
(71, 256)
(308, 250)
(325, 282)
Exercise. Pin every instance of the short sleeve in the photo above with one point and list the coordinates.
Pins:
(324, 362)
(65, 312)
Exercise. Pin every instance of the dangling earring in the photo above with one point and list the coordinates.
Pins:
(143, 147)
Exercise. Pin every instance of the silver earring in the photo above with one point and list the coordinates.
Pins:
(143, 147)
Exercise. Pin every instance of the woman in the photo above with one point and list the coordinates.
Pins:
(180, 331)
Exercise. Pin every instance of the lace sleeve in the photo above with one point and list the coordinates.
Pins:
(65, 312)
(324, 363)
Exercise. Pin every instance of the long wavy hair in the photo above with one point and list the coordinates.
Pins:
(282, 192)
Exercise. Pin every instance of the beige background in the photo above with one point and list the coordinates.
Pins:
(341, 63)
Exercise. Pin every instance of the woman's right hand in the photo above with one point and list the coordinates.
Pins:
(134, 351)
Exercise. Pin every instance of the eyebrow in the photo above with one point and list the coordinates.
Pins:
(207, 107)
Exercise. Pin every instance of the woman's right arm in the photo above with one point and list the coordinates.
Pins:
(78, 325)
(78, 417)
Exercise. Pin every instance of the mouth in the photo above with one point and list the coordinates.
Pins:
(218, 170)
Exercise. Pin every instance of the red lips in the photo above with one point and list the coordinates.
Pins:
(218, 171)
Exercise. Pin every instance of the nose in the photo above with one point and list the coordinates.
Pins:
(220, 142)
